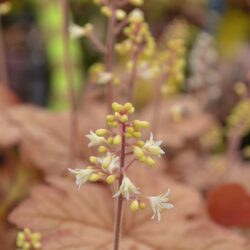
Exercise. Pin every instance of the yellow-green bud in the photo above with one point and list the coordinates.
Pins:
(117, 140)
(150, 161)
(110, 140)
(111, 179)
(130, 130)
(142, 205)
(137, 2)
(140, 143)
(131, 111)
(110, 118)
(140, 124)
(120, 14)
(128, 106)
(124, 118)
(128, 135)
(106, 162)
(114, 124)
(137, 134)
(134, 205)
(117, 107)
(26, 246)
(93, 159)
(101, 132)
(138, 152)
(106, 11)
(94, 177)
(102, 149)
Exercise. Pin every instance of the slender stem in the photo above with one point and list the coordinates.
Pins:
(3, 69)
(70, 81)
(132, 77)
(109, 60)
(100, 47)
(119, 206)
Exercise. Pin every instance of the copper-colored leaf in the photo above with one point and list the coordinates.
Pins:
(229, 205)
(71, 219)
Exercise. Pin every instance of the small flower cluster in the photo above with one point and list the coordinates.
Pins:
(171, 57)
(27, 240)
(139, 39)
(98, 75)
(120, 146)
(204, 67)
(239, 118)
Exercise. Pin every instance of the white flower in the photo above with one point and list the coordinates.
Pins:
(153, 147)
(82, 175)
(110, 162)
(127, 188)
(104, 78)
(94, 139)
(76, 31)
(136, 16)
(159, 203)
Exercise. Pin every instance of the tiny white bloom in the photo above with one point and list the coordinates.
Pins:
(127, 188)
(153, 147)
(136, 16)
(95, 140)
(104, 78)
(159, 203)
(82, 175)
(109, 162)
(76, 31)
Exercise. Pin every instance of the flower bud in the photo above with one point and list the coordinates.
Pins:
(138, 152)
(107, 162)
(111, 179)
(110, 140)
(101, 132)
(124, 118)
(94, 177)
(120, 14)
(150, 161)
(140, 143)
(117, 140)
(117, 107)
(134, 205)
(105, 10)
(93, 159)
(110, 118)
(137, 134)
(142, 205)
(102, 149)
(140, 124)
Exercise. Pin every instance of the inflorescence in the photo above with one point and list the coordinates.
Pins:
(120, 146)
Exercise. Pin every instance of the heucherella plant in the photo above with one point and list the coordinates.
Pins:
(120, 146)
(27, 240)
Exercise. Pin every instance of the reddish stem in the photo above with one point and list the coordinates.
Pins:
(119, 206)
(69, 77)
(109, 60)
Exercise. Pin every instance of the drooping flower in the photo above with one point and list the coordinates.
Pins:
(109, 162)
(82, 175)
(159, 203)
(153, 147)
(127, 188)
(95, 140)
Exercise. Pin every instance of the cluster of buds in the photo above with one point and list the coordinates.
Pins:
(99, 76)
(204, 70)
(239, 119)
(171, 57)
(27, 240)
(139, 39)
(120, 146)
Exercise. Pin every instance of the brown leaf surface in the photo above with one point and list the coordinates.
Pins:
(177, 133)
(72, 219)
(43, 138)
